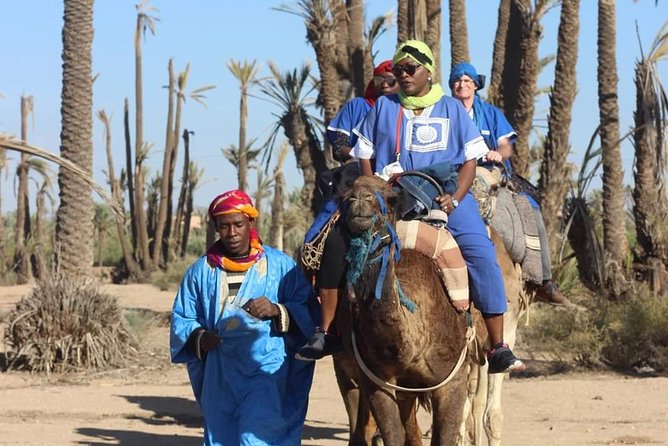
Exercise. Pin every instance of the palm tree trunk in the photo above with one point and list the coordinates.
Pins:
(134, 223)
(165, 197)
(650, 201)
(22, 231)
(74, 218)
(520, 105)
(553, 177)
(402, 21)
(459, 37)
(358, 62)
(433, 34)
(142, 228)
(39, 254)
(175, 244)
(243, 150)
(130, 262)
(614, 229)
(494, 91)
(278, 203)
(320, 32)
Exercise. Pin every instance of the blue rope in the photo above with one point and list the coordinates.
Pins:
(405, 301)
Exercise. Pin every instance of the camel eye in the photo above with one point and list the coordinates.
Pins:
(367, 196)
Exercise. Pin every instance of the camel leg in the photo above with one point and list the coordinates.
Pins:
(448, 407)
(494, 412)
(365, 425)
(473, 430)
(385, 411)
(408, 412)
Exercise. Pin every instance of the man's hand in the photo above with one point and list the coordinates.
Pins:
(208, 341)
(446, 203)
(493, 156)
(261, 308)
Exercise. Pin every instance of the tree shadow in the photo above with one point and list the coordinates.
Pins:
(133, 438)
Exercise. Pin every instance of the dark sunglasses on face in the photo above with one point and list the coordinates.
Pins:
(379, 81)
(409, 69)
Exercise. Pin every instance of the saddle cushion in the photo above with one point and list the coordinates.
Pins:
(439, 245)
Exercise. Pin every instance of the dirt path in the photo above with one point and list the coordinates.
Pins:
(151, 404)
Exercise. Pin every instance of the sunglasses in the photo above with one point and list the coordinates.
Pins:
(409, 69)
(378, 81)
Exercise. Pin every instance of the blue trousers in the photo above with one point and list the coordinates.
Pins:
(486, 286)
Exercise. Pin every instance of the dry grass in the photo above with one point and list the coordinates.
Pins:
(67, 325)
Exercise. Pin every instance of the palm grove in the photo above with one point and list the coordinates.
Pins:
(617, 248)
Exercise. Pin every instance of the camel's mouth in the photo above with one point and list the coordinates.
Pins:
(360, 223)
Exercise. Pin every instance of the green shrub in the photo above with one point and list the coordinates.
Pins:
(170, 278)
(637, 333)
(620, 335)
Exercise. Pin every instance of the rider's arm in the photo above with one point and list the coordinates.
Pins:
(365, 167)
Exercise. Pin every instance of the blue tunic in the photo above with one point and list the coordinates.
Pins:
(349, 117)
(442, 132)
(251, 390)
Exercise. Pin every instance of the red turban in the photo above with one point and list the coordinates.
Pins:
(370, 92)
(231, 202)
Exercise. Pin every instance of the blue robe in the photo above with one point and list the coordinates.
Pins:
(349, 117)
(251, 390)
(444, 132)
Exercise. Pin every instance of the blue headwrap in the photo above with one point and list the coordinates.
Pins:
(465, 68)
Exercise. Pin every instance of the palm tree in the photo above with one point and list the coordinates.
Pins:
(499, 55)
(521, 74)
(102, 222)
(116, 197)
(22, 232)
(39, 263)
(289, 92)
(649, 139)
(175, 243)
(553, 177)
(459, 37)
(182, 95)
(432, 35)
(74, 218)
(361, 66)
(320, 20)
(145, 22)
(278, 203)
(195, 175)
(246, 74)
(614, 233)
(264, 186)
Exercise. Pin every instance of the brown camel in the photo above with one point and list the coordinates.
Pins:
(409, 339)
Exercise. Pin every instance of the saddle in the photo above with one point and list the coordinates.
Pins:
(510, 214)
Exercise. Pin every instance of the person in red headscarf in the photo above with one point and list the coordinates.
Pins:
(331, 274)
(239, 314)
(340, 130)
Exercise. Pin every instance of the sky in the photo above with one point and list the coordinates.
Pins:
(209, 33)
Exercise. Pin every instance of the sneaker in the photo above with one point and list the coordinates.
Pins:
(502, 360)
(320, 345)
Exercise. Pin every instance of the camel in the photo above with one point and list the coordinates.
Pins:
(403, 340)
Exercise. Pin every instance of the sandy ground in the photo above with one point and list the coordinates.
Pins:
(151, 404)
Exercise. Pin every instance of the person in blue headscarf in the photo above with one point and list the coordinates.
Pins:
(499, 135)
(241, 312)
(421, 127)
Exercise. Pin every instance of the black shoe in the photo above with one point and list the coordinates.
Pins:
(320, 345)
(502, 360)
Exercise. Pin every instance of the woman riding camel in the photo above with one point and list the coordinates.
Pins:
(421, 127)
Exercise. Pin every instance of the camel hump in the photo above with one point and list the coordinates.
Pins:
(440, 246)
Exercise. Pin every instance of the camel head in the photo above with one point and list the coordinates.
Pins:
(364, 209)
